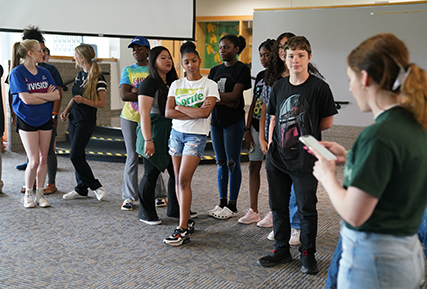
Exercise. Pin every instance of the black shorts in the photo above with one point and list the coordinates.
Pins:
(22, 125)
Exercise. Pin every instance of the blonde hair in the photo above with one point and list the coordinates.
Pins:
(87, 52)
(20, 51)
(383, 57)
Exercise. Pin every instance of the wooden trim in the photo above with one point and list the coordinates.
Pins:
(224, 18)
(205, 71)
(340, 6)
(72, 58)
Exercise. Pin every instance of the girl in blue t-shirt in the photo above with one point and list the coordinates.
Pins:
(33, 90)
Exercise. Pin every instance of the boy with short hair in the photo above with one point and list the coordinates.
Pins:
(299, 104)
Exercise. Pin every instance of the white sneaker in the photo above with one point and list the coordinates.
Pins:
(100, 193)
(41, 200)
(271, 236)
(217, 209)
(267, 221)
(224, 214)
(294, 240)
(27, 199)
(73, 195)
(250, 217)
(151, 223)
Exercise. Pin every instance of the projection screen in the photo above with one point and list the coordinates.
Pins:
(155, 19)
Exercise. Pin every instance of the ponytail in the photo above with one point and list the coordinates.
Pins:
(16, 58)
(314, 71)
(414, 92)
(87, 52)
(92, 81)
(20, 51)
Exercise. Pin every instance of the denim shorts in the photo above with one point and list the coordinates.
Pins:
(256, 154)
(186, 144)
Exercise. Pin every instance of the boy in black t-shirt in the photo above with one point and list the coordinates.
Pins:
(299, 104)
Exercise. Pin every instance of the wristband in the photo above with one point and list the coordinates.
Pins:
(246, 128)
(148, 140)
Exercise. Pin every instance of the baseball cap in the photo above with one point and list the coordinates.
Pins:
(140, 40)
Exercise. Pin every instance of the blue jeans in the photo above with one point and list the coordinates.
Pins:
(422, 232)
(371, 260)
(293, 211)
(227, 144)
(331, 282)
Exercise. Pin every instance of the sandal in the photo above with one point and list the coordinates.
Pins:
(224, 214)
(50, 189)
(24, 188)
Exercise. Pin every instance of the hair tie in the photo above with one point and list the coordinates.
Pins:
(93, 59)
(401, 77)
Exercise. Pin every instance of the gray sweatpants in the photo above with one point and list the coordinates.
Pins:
(130, 176)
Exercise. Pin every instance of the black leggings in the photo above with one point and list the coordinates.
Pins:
(146, 192)
(80, 134)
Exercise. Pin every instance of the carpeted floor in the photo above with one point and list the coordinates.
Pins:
(90, 244)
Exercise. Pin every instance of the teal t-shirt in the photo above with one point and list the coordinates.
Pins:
(389, 161)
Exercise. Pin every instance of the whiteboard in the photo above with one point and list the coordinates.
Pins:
(156, 19)
(335, 32)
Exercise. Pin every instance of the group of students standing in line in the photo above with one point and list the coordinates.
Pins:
(381, 215)
(383, 198)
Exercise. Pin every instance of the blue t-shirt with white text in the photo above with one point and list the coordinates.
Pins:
(21, 80)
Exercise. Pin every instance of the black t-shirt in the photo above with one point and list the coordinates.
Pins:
(55, 73)
(80, 112)
(318, 103)
(226, 77)
(149, 87)
(259, 83)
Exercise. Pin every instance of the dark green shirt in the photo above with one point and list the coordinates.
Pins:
(389, 161)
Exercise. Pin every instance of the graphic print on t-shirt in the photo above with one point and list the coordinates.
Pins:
(294, 120)
(36, 86)
(221, 84)
(191, 97)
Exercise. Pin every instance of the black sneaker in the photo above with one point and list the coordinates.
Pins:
(191, 225)
(275, 258)
(179, 237)
(193, 215)
(308, 263)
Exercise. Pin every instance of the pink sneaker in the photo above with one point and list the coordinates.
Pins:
(267, 222)
(250, 217)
